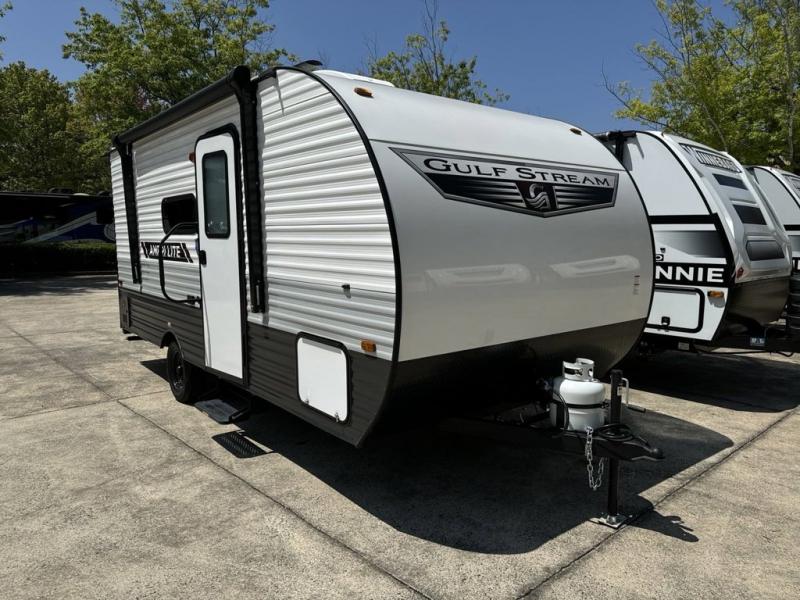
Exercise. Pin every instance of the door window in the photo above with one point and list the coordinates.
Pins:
(215, 195)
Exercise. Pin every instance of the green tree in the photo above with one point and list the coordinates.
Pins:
(156, 54)
(423, 65)
(37, 151)
(731, 84)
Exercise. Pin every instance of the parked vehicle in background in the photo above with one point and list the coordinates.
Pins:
(54, 216)
(723, 258)
(782, 189)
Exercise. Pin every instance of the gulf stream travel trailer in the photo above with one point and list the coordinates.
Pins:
(343, 248)
(722, 257)
(782, 189)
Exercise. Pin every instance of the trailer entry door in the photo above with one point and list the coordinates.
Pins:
(217, 185)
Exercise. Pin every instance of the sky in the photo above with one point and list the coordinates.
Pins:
(549, 56)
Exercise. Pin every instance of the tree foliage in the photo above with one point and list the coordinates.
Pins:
(731, 83)
(156, 54)
(37, 149)
(423, 65)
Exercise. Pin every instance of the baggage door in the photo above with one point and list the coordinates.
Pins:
(218, 236)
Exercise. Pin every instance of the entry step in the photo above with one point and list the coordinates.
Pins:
(224, 410)
(237, 444)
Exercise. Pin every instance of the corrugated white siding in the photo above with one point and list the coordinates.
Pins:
(120, 222)
(325, 221)
(163, 168)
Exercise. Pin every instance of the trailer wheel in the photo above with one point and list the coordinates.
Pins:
(183, 377)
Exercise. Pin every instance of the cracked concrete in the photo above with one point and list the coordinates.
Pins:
(112, 489)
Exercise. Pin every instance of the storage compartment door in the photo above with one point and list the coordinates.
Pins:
(682, 309)
(323, 376)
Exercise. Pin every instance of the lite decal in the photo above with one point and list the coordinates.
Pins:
(542, 190)
(173, 251)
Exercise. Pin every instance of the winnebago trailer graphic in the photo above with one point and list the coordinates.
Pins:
(350, 251)
(783, 191)
(721, 255)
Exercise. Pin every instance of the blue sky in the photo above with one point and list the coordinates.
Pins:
(548, 55)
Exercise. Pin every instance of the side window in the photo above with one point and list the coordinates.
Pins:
(178, 209)
(215, 195)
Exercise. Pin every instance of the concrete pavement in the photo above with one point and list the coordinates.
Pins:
(112, 489)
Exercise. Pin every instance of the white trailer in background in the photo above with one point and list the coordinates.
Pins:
(722, 257)
(782, 189)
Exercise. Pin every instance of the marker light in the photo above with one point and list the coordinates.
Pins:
(368, 346)
(739, 272)
(576, 131)
(362, 91)
(716, 294)
(191, 156)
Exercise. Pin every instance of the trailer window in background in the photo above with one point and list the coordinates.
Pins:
(215, 195)
(735, 182)
(764, 250)
(795, 239)
(750, 214)
(179, 209)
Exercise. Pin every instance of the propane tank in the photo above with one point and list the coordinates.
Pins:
(583, 394)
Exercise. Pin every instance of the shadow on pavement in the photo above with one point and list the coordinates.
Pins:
(476, 495)
(56, 285)
(670, 525)
(746, 383)
(472, 494)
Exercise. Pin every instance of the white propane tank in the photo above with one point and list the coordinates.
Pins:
(583, 394)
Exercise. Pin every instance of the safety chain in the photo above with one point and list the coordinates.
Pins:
(594, 483)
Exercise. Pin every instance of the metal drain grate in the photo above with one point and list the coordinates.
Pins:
(237, 444)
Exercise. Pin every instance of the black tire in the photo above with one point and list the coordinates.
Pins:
(184, 379)
(794, 283)
(794, 298)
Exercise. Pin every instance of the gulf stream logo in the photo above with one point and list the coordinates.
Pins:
(519, 186)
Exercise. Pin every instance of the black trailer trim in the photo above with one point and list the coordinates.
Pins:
(682, 219)
(273, 377)
(125, 152)
(248, 106)
(240, 76)
(155, 320)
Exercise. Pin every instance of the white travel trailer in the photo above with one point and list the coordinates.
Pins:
(336, 246)
(722, 257)
(782, 189)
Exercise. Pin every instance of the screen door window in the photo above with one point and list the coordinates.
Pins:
(215, 192)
